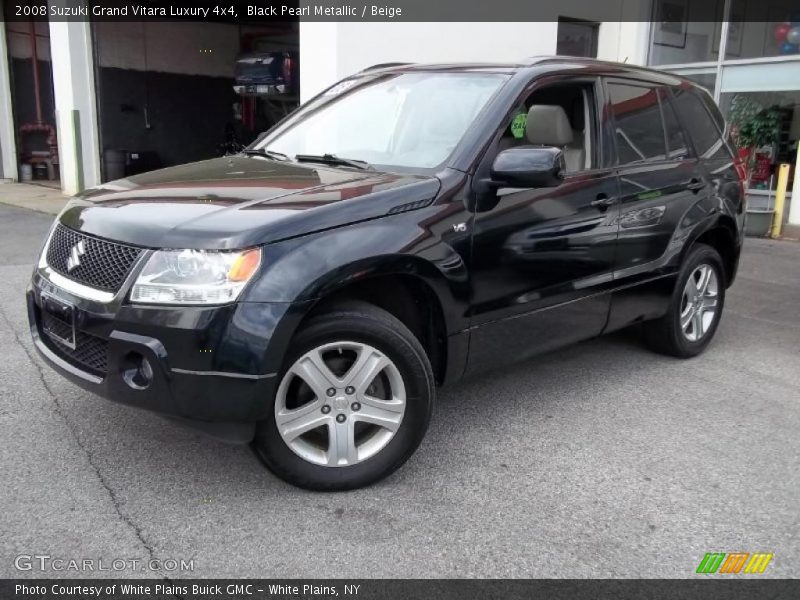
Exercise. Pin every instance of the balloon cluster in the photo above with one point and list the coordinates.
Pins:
(788, 37)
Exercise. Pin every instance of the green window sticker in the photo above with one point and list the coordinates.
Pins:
(649, 195)
(518, 126)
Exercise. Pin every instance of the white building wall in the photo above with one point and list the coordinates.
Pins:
(363, 44)
(624, 41)
(73, 85)
(8, 150)
(331, 51)
(318, 69)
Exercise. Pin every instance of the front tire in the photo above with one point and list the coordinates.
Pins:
(353, 404)
(695, 307)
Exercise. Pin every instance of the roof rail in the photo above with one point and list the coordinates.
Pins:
(385, 66)
(537, 60)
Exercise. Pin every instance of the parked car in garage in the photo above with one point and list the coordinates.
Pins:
(407, 227)
(267, 73)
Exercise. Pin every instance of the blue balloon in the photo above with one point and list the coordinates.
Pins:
(787, 48)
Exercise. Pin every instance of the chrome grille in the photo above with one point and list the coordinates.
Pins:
(103, 265)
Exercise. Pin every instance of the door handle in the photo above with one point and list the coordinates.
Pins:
(602, 202)
(695, 185)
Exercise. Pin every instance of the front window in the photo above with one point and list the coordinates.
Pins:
(412, 120)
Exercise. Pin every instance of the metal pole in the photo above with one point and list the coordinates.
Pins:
(780, 199)
(794, 207)
(35, 60)
(723, 48)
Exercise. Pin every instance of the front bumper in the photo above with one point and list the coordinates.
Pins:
(213, 368)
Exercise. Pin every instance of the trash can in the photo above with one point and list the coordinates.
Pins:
(114, 164)
(25, 172)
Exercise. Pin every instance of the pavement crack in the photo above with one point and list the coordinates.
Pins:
(58, 409)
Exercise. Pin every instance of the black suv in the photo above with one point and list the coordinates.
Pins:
(406, 227)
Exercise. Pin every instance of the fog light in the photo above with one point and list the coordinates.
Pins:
(136, 371)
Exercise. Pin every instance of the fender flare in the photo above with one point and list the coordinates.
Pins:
(303, 271)
(717, 221)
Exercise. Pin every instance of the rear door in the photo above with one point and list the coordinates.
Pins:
(660, 179)
(702, 119)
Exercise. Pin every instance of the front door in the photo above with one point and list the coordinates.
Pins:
(542, 259)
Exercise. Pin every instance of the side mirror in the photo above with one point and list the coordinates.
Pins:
(529, 167)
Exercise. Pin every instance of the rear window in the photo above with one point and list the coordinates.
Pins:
(638, 124)
(700, 122)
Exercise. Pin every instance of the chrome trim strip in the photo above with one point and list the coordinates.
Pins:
(224, 374)
(43, 255)
(73, 287)
(60, 362)
(84, 291)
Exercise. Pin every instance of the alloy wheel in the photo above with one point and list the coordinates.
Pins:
(340, 403)
(699, 302)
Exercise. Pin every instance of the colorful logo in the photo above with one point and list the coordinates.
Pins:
(734, 562)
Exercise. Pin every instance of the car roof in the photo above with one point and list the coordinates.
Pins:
(541, 65)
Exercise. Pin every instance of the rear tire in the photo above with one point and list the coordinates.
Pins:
(356, 429)
(695, 307)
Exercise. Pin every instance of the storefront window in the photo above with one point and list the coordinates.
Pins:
(765, 126)
(685, 31)
(750, 36)
(760, 99)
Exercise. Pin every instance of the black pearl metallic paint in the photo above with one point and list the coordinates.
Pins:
(513, 272)
(529, 167)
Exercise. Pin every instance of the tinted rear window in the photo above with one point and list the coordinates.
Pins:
(700, 123)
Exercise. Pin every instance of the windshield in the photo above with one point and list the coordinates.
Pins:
(405, 120)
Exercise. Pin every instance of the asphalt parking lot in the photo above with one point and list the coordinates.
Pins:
(600, 460)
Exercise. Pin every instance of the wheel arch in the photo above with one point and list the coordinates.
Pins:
(721, 235)
(370, 262)
(410, 298)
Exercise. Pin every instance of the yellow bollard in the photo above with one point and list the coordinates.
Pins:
(780, 199)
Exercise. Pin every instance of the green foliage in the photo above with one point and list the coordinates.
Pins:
(743, 108)
(755, 126)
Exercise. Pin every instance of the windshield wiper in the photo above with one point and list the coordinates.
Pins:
(268, 153)
(332, 159)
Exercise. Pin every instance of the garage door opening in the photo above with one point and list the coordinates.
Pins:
(176, 92)
(32, 98)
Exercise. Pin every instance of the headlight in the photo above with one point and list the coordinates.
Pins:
(195, 276)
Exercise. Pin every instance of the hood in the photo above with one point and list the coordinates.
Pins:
(239, 201)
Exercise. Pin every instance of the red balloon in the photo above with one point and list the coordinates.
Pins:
(781, 31)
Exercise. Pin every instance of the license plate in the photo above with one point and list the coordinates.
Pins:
(58, 320)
